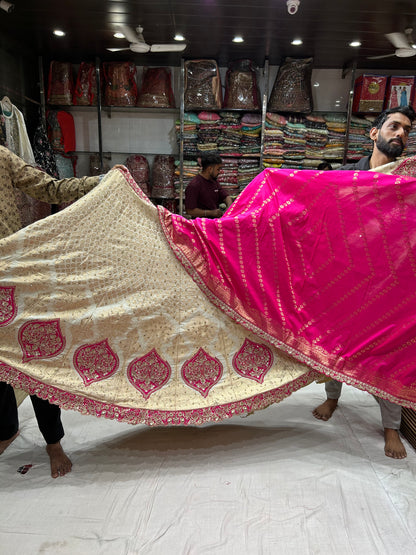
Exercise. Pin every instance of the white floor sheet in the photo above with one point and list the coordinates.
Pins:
(277, 482)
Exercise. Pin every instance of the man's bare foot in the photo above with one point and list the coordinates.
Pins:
(325, 411)
(6, 442)
(60, 463)
(393, 446)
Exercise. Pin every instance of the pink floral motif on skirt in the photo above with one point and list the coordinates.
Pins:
(95, 362)
(253, 361)
(8, 307)
(148, 373)
(202, 372)
(41, 339)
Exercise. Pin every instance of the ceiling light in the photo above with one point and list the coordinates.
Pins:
(296, 42)
(355, 43)
(414, 46)
(119, 36)
(238, 38)
(59, 33)
(178, 36)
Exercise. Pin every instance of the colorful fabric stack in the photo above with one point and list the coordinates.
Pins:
(337, 127)
(190, 170)
(411, 143)
(294, 142)
(230, 137)
(190, 135)
(228, 177)
(359, 142)
(248, 168)
(316, 139)
(273, 140)
(251, 130)
(208, 132)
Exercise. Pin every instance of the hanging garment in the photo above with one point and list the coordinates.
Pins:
(17, 140)
(117, 308)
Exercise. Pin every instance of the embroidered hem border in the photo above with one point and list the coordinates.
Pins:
(151, 417)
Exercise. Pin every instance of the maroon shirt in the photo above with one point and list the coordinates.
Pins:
(204, 194)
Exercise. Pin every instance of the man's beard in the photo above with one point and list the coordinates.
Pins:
(390, 149)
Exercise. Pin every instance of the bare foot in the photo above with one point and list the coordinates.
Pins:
(60, 463)
(393, 446)
(325, 411)
(6, 442)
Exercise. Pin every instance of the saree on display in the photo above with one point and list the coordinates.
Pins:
(116, 308)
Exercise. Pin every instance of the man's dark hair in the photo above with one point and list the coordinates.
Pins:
(325, 166)
(210, 160)
(405, 110)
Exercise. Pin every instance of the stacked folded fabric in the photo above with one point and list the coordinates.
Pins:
(316, 140)
(209, 131)
(294, 142)
(337, 127)
(411, 143)
(248, 168)
(359, 142)
(274, 140)
(228, 177)
(190, 136)
(190, 170)
(250, 130)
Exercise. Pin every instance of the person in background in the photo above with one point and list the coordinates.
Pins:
(17, 174)
(204, 194)
(325, 166)
(389, 134)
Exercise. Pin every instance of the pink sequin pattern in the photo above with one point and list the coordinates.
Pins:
(253, 361)
(8, 307)
(202, 372)
(148, 373)
(41, 339)
(95, 362)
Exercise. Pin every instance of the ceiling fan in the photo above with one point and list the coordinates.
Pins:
(138, 44)
(402, 42)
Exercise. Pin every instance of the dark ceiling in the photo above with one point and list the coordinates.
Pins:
(325, 26)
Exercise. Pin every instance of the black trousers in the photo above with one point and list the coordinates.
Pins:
(47, 415)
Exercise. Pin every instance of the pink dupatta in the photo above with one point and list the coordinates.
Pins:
(322, 265)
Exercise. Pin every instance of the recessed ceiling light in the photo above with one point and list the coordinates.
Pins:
(238, 38)
(414, 46)
(355, 43)
(178, 36)
(59, 33)
(297, 42)
(119, 35)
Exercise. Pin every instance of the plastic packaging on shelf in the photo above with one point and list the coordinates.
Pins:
(60, 83)
(120, 84)
(292, 88)
(85, 93)
(241, 90)
(163, 176)
(138, 166)
(202, 85)
(156, 90)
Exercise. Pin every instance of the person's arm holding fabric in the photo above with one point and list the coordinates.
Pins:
(42, 186)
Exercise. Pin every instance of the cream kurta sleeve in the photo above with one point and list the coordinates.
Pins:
(15, 173)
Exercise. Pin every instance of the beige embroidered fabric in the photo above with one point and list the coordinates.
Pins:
(115, 326)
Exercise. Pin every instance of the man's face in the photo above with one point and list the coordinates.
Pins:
(392, 137)
(215, 170)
